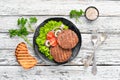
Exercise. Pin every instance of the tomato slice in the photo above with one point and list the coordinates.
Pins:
(50, 35)
(51, 38)
(53, 41)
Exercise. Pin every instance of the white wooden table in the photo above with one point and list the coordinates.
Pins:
(108, 55)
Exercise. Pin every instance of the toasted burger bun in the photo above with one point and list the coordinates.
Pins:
(23, 57)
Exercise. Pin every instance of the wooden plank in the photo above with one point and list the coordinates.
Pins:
(59, 73)
(104, 24)
(112, 42)
(48, 7)
(104, 57)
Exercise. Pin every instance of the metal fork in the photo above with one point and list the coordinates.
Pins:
(94, 40)
(101, 38)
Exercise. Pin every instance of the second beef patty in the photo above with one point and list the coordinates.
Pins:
(59, 54)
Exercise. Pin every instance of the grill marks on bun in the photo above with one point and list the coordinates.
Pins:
(23, 57)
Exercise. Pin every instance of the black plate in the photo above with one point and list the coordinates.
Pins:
(71, 26)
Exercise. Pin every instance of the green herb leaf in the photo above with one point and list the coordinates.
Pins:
(18, 21)
(33, 20)
(22, 32)
(76, 14)
(22, 21)
(13, 32)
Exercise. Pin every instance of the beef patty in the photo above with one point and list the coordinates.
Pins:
(59, 54)
(67, 39)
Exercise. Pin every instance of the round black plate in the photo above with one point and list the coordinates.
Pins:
(71, 26)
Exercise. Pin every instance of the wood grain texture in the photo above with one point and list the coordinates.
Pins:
(108, 58)
(107, 54)
(51, 7)
(59, 73)
(104, 24)
(112, 42)
(104, 57)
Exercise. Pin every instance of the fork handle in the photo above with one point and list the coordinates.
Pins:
(94, 67)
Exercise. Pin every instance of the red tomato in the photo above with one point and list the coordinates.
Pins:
(53, 41)
(51, 38)
(50, 35)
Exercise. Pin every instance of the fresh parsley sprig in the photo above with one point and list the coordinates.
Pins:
(22, 32)
(32, 20)
(76, 14)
